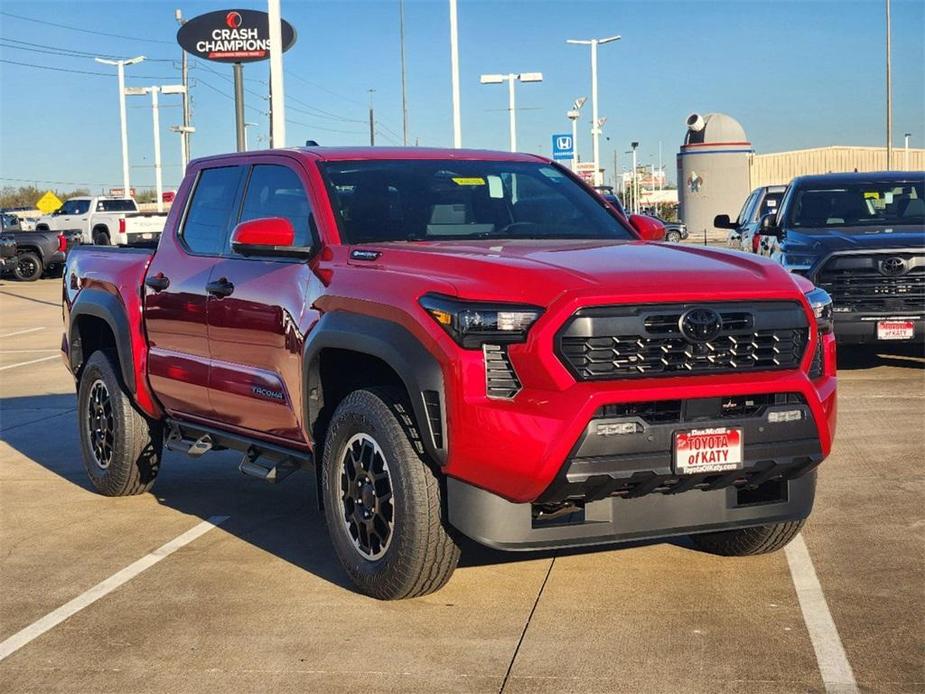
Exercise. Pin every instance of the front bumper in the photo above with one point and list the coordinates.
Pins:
(495, 522)
(856, 328)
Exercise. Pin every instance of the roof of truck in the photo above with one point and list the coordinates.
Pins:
(391, 153)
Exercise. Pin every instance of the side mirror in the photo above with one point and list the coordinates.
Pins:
(270, 237)
(722, 221)
(649, 229)
(769, 226)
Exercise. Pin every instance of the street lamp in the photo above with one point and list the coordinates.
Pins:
(156, 121)
(510, 79)
(246, 126)
(634, 145)
(595, 130)
(906, 154)
(120, 67)
(573, 116)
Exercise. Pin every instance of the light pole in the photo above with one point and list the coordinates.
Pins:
(120, 67)
(454, 75)
(277, 100)
(906, 155)
(184, 77)
(595, 130)
(573, 116)
(889, 91)
(510, 79)
(156, 123)
(246, 126)
(184, 132)
(634, 145)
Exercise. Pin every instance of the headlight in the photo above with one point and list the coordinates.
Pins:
(821, 303)
(796, 262)
(475, 323)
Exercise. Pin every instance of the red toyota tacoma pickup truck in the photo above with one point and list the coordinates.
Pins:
(456, 343)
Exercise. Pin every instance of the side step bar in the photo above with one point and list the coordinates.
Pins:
(263, 460)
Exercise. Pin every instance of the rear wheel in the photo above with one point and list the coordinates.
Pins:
(101, 237)
(382, 501)
(121, 450)
(28, 267)
(743, 542)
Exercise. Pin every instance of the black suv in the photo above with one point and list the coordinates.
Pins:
(861, 237)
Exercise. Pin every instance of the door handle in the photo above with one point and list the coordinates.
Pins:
(220, 287)
(157, 282)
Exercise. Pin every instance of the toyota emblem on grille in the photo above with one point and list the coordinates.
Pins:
(700, 324)
(894, 265)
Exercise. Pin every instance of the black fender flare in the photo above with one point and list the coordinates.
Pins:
(107, 307)
(417, 368)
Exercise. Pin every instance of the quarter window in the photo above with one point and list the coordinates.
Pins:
(277, 191)
(211, 210)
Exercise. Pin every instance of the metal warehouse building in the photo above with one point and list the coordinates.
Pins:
(781, 167)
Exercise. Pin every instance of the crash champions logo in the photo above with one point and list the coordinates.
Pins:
(235, 40)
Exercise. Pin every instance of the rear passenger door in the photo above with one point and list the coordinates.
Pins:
(257, 331)
(176, 298)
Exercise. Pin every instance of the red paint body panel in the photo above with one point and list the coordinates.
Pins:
(236, 362)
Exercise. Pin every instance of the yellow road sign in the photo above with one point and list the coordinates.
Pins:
(48, 203)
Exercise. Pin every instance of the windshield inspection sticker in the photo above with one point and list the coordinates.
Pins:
(475, 181)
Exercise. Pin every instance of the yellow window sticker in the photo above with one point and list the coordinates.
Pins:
(469, 181)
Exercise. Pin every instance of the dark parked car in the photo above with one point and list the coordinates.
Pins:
(861, 237)
(37, 252)
(744, 232)
(674, 231)
(7, 253)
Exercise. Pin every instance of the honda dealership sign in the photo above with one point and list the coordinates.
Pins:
(231, 36)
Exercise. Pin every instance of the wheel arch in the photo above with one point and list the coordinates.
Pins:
(356, 345)
(94, 310)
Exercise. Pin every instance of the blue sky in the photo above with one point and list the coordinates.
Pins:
(796, 74)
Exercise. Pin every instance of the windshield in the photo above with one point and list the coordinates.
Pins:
(116, 206)
(865, 203)
(418, 200)
(74, 207)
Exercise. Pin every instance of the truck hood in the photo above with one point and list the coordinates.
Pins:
(829, 240)
(533, 271)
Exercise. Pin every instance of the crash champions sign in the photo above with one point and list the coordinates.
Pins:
(232, 36)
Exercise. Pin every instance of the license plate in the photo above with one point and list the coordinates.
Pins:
(895, 330)
(708, 450)
(146, 236)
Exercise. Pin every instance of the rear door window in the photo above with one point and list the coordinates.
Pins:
(277, 191)
(211, 210)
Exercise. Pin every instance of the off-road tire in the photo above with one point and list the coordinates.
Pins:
(28, 267)
(744, 542)
(101, 238)
(135, 451)
(421, 554)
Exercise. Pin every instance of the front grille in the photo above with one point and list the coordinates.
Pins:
(627, 342)
(856, 282)
(695, 409)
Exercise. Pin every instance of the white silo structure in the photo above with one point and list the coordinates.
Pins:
(713, 174)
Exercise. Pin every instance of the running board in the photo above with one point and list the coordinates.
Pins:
(263, 460)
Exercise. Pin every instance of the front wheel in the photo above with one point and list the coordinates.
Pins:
(744, 542)
(28, 267)
(673, 236)
(121, 449)
(382, 501)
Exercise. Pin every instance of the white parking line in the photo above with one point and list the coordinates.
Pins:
(26, 363)
(834, 667)
(22, 332)
(53, 619)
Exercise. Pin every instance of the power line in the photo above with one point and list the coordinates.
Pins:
(84, 72)
(84, 31)
(69, 52)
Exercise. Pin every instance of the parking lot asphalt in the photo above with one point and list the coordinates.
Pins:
(259, 603)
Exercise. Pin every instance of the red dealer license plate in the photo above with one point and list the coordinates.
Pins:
(708, 450)
(895, 330)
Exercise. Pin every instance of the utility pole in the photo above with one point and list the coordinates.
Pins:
(404, 75)
(184, 79)
(372, 120)
(120, 67)
(240, 135)
(277, 102)
(889, 91)
(595, 127)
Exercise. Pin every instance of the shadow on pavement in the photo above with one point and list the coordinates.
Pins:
(906, 356)
(282, 520)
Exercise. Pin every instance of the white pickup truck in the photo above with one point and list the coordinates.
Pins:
(104, 221)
